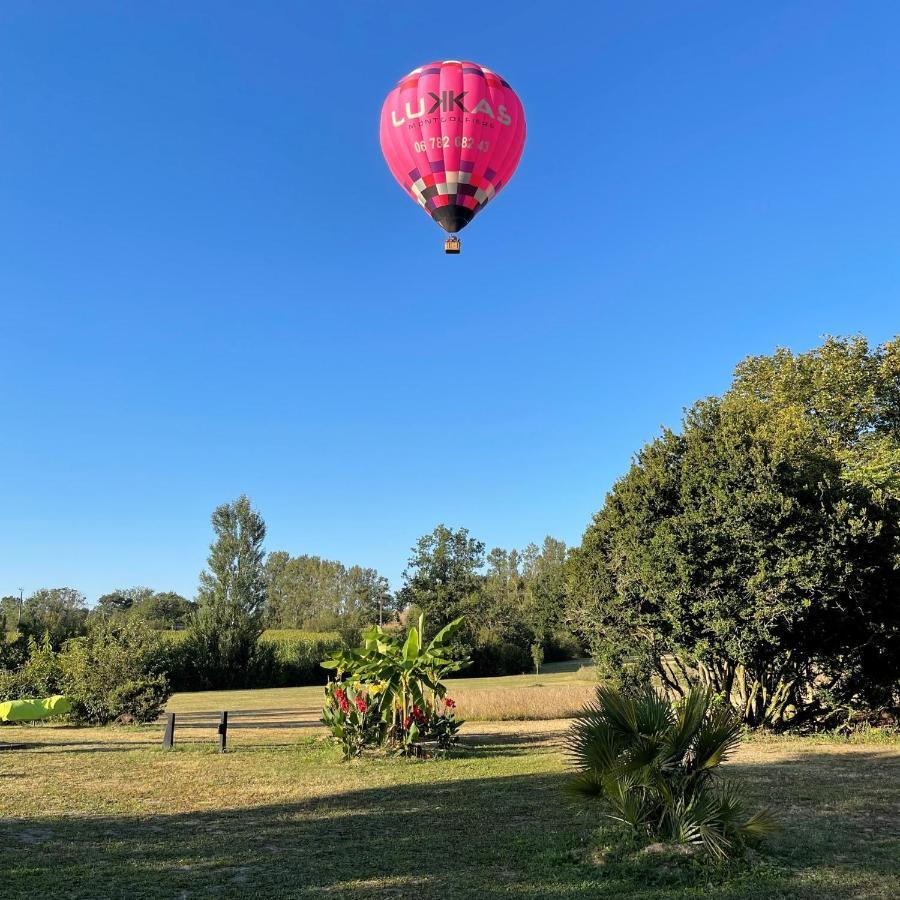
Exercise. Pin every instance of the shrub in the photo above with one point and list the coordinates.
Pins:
(13, 651)
(39, 675)
(561, 645)
(281, 658)
(352, 718)
(656, 767)
(492, 655)
(216, 657)
(117, 671)
(389, 692)
(297, 656)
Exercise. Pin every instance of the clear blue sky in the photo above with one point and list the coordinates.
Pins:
(210, 284)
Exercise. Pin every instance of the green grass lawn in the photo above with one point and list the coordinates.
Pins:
(104, 813)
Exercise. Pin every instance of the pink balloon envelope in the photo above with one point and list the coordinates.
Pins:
(452, 133)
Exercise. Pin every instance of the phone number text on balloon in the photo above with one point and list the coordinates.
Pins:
(437, 143)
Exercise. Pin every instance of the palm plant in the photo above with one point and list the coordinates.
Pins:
(656, 767)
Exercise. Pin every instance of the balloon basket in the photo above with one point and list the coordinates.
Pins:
(452, 244)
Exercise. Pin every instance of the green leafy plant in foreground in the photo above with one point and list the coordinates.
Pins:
(352, 719)
(656, 766)
(389, 692)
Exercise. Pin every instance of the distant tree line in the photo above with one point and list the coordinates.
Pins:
(316, 594)
(756, 552)
(263, 619)
(512, 600)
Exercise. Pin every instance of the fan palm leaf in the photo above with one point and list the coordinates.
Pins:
(656, 768)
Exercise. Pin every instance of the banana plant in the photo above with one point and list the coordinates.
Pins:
(402, 677)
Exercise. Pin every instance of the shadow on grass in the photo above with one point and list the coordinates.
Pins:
(89, 746)
(513, 836)
(483, 745)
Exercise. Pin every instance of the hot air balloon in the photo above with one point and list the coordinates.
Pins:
(452, 133)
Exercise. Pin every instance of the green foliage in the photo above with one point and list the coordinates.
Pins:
(116, 671)
(442, 577)
(544, 577)
(10, 610)
(396, 683)
(59, 613)
(34, 673)
(320, 594)
(656, 768)
(223, 644)
(517, 601)
(287, 657)
(121, 600)
(561, 645)
(164, 610)
(13, 651)
(757, 552)
(353, 718)
(298, 656)
(498, 651)
(537, 657)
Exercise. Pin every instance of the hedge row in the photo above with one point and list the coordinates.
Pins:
(284, 658)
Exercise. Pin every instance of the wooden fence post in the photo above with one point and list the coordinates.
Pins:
(223, 731)
(169, 733)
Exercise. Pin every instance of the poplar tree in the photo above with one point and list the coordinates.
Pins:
(232, 598)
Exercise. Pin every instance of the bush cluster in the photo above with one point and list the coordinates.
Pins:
(389, 694)
(279, 658)
(296, 656)
(117, 671)
(656, 767)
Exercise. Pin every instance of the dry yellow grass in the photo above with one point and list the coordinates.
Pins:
(525, 703)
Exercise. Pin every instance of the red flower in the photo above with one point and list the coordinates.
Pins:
(361, 704)
(341, 696)
(449, 702)
(418, 715)
(407, 722)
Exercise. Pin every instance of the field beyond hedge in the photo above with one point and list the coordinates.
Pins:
(103, 812)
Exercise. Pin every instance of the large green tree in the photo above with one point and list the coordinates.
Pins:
(758, 551)
(544, 574)
(321, 595)
(59, 613)
(509, 599)
(163, 610)
(223, 643)
(121, 600)
(500, 634)
(443, 577)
